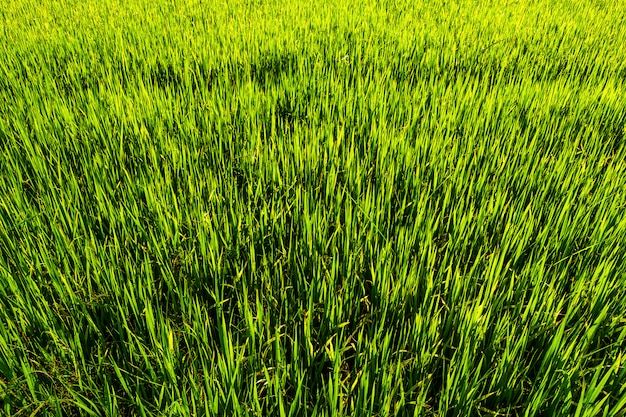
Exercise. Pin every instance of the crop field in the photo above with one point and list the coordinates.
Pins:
(313, 208)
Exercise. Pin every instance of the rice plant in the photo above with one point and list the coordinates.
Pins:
(312, 208)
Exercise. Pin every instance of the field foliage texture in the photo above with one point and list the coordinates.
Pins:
(312, 208)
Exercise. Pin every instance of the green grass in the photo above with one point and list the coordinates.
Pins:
(312, 208)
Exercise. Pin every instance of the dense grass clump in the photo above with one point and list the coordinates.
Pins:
(317, 208)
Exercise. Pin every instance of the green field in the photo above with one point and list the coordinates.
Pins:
(313, 208)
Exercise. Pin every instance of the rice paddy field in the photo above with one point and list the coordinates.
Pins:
(312, 208)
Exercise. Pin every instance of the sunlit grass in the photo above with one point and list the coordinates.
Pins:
(312, 209)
